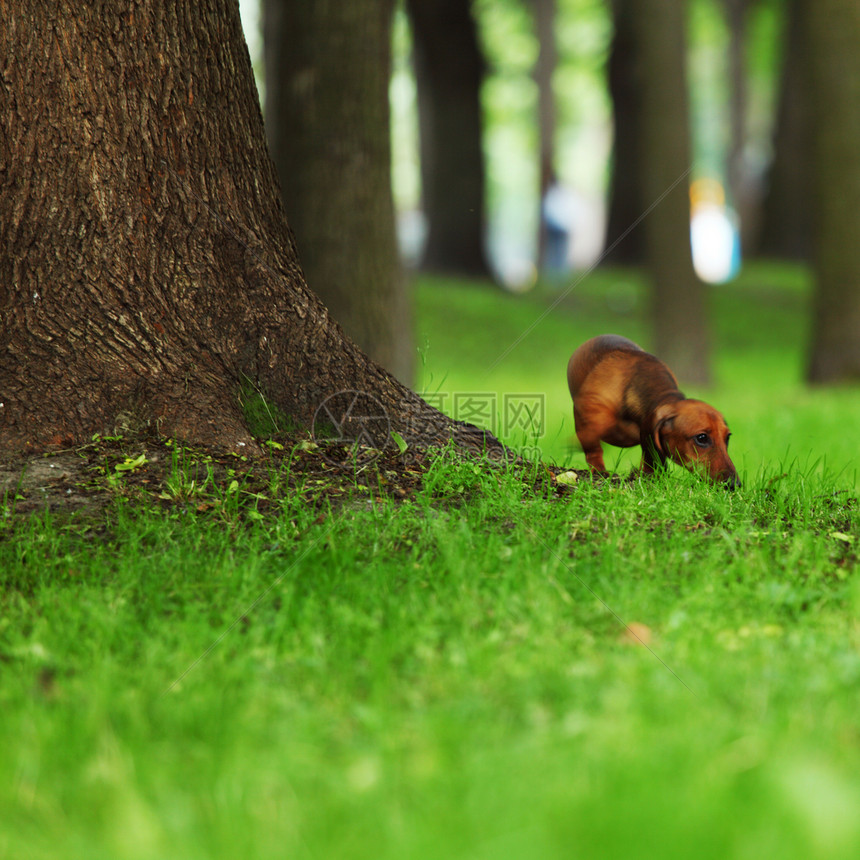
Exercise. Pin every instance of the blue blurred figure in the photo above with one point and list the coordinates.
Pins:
(558, 210)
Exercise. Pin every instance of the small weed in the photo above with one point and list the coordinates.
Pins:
(184, 481)
(264, 418)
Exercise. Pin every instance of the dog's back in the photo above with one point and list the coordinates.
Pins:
(616, 386)
(593, 361)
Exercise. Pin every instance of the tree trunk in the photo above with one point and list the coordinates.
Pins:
(833, 28)
(327, 118)
(625, 243)
(678, 295)
(741, 195)
(736, 22)
(786, 229)
(449, 70)
(146, 267)
(544, 15)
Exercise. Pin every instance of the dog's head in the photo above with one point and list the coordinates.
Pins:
(696, 436)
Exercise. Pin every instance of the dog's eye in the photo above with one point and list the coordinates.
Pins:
(702, 440)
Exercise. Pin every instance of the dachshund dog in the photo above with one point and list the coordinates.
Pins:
(625, 396)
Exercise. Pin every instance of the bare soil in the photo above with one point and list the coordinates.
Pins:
(81, 482)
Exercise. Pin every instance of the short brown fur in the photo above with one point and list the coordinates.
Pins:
(625, 396)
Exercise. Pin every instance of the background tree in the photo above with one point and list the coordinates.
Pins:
(327, 70)
(624, 76)
(786, 219)
(544, 12)
(449, 69)
(147, 270)
(681, 336)
(740, 192)
(833, 28)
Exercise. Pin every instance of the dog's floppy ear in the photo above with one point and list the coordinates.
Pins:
(663, 423)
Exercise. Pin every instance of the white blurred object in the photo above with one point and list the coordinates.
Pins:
(411, 235)
(714, 234)
(577, 218)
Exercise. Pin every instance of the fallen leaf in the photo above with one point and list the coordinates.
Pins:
(636, 634)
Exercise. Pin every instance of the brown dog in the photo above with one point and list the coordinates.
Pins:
(626, 397)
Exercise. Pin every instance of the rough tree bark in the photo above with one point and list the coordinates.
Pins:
(328, 67)
(146, 266)
(833, 28)
(681, 336)
(449, 69)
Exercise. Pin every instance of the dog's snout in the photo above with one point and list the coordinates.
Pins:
(730, 478)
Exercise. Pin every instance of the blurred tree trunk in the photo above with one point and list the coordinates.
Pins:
(147, 271)
(449, 68)
(740, 194)
(681, 332)
(327, 70)
(833, 28)
(624, 76)
(544, 15)
(786, 227)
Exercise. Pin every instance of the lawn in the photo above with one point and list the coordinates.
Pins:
(760, 337)
(491, 668)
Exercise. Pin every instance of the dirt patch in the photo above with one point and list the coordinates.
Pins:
(45, 482)
(159, 471)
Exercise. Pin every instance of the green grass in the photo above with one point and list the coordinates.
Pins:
(471, 340)
(450, 677)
